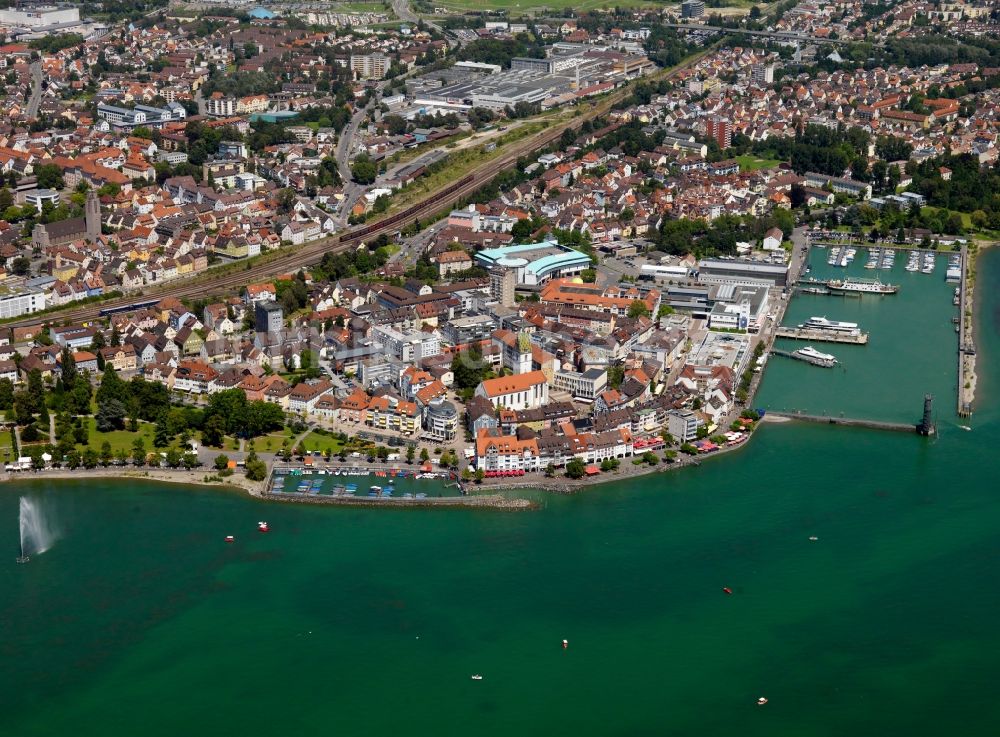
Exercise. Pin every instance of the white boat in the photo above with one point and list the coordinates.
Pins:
(821, 323)
(477, 677)
(810, 352)
(864, 286)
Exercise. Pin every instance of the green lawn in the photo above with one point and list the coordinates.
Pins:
(966, 217)
(749, 162)
(272, 442)
(119, 439)
(323, 443)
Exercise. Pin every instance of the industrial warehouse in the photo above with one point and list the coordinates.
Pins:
(569, 72)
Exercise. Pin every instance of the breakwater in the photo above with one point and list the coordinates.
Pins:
(911, 427)
(966, 348)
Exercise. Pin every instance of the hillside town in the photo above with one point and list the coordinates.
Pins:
(607, 298)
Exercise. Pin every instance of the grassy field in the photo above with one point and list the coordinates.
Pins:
(119, 439)
(966, 217)
(272, 443)
(752, 163)
(323, 443)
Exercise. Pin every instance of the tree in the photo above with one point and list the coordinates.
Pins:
(522, 230)
(576, 469)
(411, 452)
(364, 170)
(221, 462)
(90, 458)
(213, 431)
(480, 475)
(138, 452)
(256, 469)
(106, 454)
(162, 435)
(67, 369)
(550, 470)
(424, 455)
(110, 416)
(173, 457)
(616, 375)
(73, 459)
(49, 176)
(638, 308)
(21, 266)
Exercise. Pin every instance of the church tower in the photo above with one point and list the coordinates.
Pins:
(92, 214)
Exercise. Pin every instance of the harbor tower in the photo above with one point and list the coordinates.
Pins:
(926, 426)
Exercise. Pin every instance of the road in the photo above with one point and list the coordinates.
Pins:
(345, 147)
(36, 89)
(216, 281)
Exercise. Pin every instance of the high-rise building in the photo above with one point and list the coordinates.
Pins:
(503, 282)
(720, 130)
(268, 317)
(92, 216)
(692, 9)
(371, 66)
(761, 74)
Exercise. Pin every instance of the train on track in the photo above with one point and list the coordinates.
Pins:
(108, 311)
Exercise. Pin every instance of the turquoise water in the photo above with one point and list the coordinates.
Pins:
(141, 620)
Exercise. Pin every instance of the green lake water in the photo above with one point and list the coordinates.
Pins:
(141, 620)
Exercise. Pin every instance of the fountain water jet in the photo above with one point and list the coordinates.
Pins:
(36, 535)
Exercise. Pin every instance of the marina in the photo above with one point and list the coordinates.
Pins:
(395, 484)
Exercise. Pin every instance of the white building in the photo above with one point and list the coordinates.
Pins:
(413, 345)
(522, 391)
(583, 386)
(683, 425)
(24, 302)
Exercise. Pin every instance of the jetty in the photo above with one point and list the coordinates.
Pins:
(925, 427)
(822, 336)
(966, 348)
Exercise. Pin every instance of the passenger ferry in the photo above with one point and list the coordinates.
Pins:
(818, 358)
(864, 286)
(821, 323)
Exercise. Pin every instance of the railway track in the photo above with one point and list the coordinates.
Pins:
(211, 283)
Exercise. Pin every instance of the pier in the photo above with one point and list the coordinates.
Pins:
(822, 336)
(925, 427)
(966, 349)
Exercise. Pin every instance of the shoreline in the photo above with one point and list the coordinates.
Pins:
(185, 477)
(970, 311)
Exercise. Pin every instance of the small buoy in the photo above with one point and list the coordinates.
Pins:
(727, 590)
(761, 701)
(565, 644)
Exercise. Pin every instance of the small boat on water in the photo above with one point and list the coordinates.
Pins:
(726, 590)
(230, 539)
(262, 526)
(477, 677)
(761, 701)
